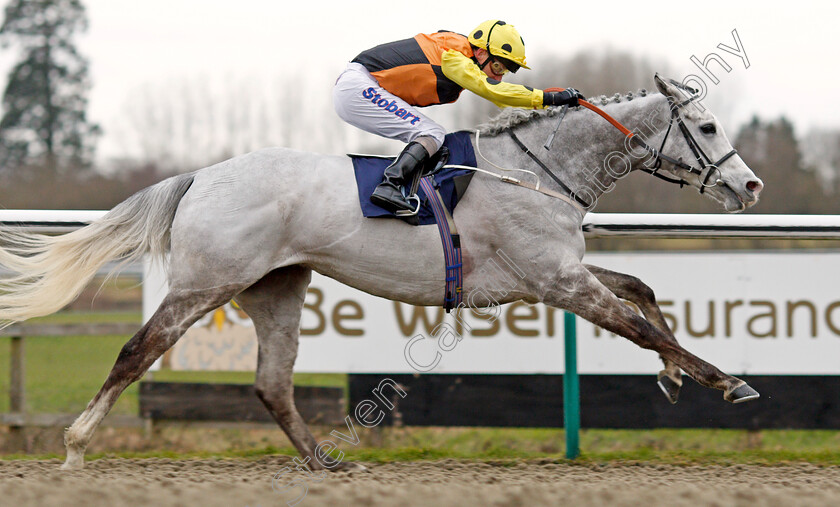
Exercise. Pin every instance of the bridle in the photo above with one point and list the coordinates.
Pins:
(708, 166)
(699, 154)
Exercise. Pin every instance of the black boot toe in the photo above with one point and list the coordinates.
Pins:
(387, 197)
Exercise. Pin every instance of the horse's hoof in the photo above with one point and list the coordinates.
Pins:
(741, 394)
(350, 466)
(72, 465)
(669, 387)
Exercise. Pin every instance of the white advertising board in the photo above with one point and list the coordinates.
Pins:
(754, 313)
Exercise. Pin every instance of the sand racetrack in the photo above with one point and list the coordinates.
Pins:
(207, 482)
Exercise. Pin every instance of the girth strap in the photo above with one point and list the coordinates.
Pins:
(451, 246)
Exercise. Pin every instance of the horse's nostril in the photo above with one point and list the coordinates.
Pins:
(755, 187)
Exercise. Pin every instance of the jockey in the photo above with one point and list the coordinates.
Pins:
(381, 89)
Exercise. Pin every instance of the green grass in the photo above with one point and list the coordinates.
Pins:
(659, 445)
(64, 373)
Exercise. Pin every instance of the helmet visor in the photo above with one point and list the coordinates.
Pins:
(510, 65)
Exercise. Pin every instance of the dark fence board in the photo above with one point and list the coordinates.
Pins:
(607, 401)
(233, 402)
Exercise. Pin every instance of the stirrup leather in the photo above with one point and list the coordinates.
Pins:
(436, 163)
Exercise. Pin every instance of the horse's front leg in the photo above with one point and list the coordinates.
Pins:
(577, 290)
(637, 292)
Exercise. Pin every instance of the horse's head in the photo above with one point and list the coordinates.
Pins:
(696, 139)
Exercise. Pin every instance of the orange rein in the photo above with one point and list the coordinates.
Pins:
(624, 130)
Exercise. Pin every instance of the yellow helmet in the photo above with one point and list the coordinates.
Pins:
(501, 40)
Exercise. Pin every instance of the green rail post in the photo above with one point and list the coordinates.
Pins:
(571, 389)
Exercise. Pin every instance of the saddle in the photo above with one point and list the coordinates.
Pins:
(449, 182)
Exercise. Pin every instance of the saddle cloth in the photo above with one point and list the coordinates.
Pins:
(451, 183)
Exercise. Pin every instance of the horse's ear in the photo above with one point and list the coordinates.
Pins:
(662, 85)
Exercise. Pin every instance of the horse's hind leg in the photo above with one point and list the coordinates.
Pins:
(579, 291)
(275, 304)
(637, 292)
(178, 311)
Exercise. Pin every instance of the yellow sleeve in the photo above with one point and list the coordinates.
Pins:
(466, 74)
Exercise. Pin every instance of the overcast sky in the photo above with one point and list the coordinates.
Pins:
(791, 47)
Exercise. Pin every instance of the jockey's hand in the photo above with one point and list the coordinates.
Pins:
(568, 97)
(576, 93)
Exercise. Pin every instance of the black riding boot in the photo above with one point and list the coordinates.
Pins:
(388, 194)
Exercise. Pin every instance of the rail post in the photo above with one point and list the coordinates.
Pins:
(571, 388)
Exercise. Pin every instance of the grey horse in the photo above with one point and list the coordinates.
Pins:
(254, 228)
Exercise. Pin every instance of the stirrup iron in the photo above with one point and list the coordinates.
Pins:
(410, 213)
(412, 196)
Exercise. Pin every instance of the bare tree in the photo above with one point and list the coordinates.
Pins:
(194, 122)
(45, 100)
(821, 151)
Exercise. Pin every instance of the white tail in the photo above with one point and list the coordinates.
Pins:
(51, 271)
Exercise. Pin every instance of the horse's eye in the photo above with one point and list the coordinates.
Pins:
(708, 128)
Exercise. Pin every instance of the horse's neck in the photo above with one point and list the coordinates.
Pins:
(588, 154)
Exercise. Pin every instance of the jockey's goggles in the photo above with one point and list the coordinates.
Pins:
(497, 67)
(501, 66)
